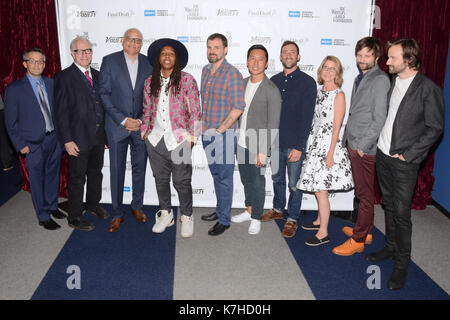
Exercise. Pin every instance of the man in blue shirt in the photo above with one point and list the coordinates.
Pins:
(298, 91)
(29, 121)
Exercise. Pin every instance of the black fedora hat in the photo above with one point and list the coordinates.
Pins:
(155, 48)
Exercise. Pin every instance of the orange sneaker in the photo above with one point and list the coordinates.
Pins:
(349, 233)
(348, 248)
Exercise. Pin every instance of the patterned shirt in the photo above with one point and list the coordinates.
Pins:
(221, 92)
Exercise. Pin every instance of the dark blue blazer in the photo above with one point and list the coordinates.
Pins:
(23, 116)
(119, 98)
(75, 107)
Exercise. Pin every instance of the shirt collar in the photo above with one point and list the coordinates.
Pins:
(222, 65)
(83, 69)
(33, 80)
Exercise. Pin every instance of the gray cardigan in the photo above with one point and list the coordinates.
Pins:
(368, 111)
(263, 117)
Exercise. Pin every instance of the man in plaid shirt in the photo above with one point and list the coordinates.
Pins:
(222, 92)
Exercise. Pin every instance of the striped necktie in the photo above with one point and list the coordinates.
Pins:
(45, 108)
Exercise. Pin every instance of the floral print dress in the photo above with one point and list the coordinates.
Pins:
(315, 176)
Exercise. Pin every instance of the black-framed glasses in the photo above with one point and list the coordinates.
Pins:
(135, 40)
(79, 52)
(32, 61)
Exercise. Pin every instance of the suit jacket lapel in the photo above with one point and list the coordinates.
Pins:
(28, 90)
(126, 73)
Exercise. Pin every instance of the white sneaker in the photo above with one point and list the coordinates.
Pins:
(242, 217)
(162, 221)
(187, 226)
(255, 226)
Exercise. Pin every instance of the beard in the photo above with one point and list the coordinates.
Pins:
(212, 58)
(289, 65)
(365, 66)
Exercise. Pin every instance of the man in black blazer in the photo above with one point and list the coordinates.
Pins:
(122, 77)
(79, 116)
(30, 123)
(414, 123)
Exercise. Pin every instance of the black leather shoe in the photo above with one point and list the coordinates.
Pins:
(210, 217)
(217, 229)
(81, 224)
(380, 255)
(49, 224)
(99, 212)
(58, 214)
(397, 279)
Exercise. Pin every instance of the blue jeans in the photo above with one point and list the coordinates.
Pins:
(279, 182)
(220, 151)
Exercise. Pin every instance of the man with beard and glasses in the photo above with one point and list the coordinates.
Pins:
(368, 110)
(298, 92)
(222, 92)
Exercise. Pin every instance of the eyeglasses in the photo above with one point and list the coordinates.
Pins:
(135, 40)
(32, 61)
(331, 69)
(80, 52)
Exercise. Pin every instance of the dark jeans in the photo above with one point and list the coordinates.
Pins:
(253, 180)
(220, 152)
(163, 166)
(88, 164)
(279, 165)
(363, 170)
(397, 180)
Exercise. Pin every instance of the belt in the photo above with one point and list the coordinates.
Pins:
(49, 132)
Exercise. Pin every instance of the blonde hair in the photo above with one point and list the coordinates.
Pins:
(338, 80)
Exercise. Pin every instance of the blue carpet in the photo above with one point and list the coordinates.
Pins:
(334, 277)
(132, 263)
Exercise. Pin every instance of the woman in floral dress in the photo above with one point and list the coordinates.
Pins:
(326, 167)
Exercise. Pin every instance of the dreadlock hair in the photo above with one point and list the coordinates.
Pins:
(174, 82)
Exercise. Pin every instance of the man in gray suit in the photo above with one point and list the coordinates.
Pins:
(368, 109)
(258, 129)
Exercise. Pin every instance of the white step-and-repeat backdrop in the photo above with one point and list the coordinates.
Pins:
(320, 28)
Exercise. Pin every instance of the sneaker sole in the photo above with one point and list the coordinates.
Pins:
(311, 229)
(169, 225)
(316, 244)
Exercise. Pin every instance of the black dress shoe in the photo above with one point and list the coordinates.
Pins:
(58, 214)
(99, 212)
(380, 255)
(217, 229)
(210, 217)
(81, 224)
(49, 224)
(397, 279)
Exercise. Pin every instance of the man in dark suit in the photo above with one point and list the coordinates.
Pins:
(79, 117)
(414, 123)
(122, 77)
(29, 121)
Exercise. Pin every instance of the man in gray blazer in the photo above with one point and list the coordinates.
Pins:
(367, 114)
(258, 130)
(414, 123)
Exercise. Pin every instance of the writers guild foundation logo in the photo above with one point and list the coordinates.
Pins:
(227, 12)
(271, 68)
(339, 15)
(229, 36)
(194, 13)
(86, 35)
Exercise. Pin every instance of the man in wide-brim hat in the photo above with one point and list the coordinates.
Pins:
(170, 127)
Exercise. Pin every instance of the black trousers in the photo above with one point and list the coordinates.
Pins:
(397, 180)
(88, 165)
(6, 149)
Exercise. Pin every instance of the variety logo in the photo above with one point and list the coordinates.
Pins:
(86, 14)
(262, 40)
(228, 12)
(113, 39)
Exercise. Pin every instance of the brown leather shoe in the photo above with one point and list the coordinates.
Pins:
(349, 233)
(290, 228)
(140, 215)
(270, 215)
(115, 224)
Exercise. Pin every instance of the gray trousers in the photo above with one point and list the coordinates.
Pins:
(177, 163)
